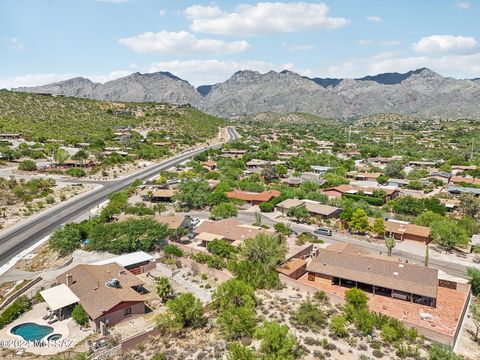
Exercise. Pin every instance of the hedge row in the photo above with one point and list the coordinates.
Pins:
(375, 201)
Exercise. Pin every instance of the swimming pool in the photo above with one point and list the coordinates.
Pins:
(31, 331)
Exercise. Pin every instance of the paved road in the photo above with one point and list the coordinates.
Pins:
(18, 238)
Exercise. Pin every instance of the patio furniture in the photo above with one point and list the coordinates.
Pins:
(53, 319)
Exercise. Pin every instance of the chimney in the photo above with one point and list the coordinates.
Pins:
(69, 280)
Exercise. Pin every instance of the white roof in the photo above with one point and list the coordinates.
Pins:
(59, 296)
(127, 259)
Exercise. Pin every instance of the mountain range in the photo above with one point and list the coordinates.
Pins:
(420, 92)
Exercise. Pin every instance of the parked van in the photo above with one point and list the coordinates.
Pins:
(323, 231)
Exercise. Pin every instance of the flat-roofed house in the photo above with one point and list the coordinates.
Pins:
(340, 190)
(108, 293)
(256, 164)
(464, 180)
(315, 208)
(349, 265)
(210, 165)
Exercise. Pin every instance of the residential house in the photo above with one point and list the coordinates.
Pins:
(398, 183)
(456, 169)
(158, 195)
(363, 176)
(137, 262)
(210, 165)
(338, 191)
(108, 293)
(287, 155)
(315, 208)
(320, 170)
(253, 198)
(230, 230)
(444, 177)
(256, 164)
(401, 230)
(457, 190)
(349, 265)
(464, 180)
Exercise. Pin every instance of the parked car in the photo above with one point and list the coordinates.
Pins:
(194, 221)
(323, 231)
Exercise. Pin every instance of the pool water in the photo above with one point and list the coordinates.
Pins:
(31, 331)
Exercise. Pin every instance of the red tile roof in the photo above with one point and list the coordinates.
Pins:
(253, 196)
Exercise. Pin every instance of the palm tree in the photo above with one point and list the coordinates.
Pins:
(164, 288)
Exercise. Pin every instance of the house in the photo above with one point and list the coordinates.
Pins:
(158, 195)
(253, 197)
(340, 190)
(315, 208)
(293, 268)
(235, 154)
(348, 265)
(108, 293)
(363, 176)
(398, 183)
(444, 177)
(401, 230)
(457, 190)
(423, 164)
(256, 164)
(321, 170)
(210, 165)
(174, 222)
(456, 169)
(137, 262)
(230, 230)
(464, 180)
(287, 155)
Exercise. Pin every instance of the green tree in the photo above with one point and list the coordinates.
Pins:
(277, 343)
(442, 352)
(237, 351)
(359, 222)
(469, 205)
(221, 248)
(475, 314)
(283, 228)
(379, 227)
(332, 180)
(237, 322)
(270, 173)
(27, 165)
(474, 280)
(223, 211)
(66, 240)
(338, 326)
(164, 288)
(390, 243)
(395, 170)
(309, 315)
(80, 315)
(299, 212)
(446, 234)
(260, 258)
(233, 293)
(364, 321)
(356, 298)
(60, 156)
(187, 310)
(193, 194)
(172, 250)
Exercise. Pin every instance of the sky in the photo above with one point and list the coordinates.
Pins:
(204, 42)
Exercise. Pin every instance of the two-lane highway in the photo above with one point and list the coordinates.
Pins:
(18, 238)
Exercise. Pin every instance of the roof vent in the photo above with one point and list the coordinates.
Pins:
(401, 265)
(395, 273)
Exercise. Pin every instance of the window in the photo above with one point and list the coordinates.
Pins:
(127, 311)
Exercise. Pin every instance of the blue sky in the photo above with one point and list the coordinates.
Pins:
(204, 42)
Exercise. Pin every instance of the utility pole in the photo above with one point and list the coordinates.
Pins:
(349, 133)
(471, 152)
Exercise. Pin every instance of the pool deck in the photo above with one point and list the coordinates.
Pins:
(71, 333)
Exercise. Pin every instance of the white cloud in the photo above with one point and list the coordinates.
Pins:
(389, 42)
(297, 47)
(375, 19)
(201, 72)
(165, 42)
(464, 5)
(162, 12)
(262, 18)
(14, 43)
(32, 80)
(456, 65)
(365, 42)
(445, 44)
